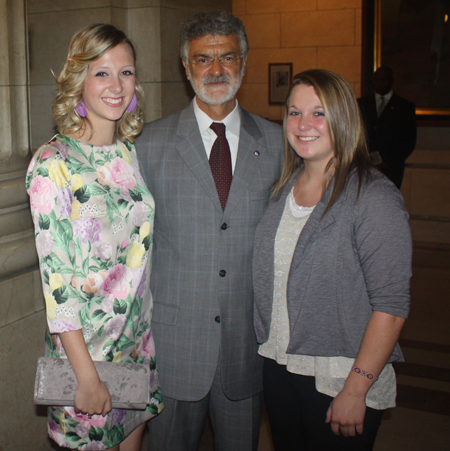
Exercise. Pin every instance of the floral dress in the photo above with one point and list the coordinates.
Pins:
(93, 218)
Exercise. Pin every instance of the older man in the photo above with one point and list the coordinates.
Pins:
(210, 168)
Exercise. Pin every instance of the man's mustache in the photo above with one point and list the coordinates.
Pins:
(222, 78)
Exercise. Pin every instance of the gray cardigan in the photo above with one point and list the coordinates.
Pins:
(353, 261)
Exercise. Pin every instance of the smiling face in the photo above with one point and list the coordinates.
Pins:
(214, 85)
(109, 87)
(307, 128)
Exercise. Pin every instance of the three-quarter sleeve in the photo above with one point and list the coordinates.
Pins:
(50, 187)
(383, 241)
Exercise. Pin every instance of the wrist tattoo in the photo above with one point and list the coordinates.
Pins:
(364, 373)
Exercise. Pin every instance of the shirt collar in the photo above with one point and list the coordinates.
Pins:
(387, 96)
(232, 121)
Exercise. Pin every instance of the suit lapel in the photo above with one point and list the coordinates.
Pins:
(191, 149)
(249, 155)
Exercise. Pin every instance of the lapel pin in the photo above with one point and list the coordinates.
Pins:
(256, 153)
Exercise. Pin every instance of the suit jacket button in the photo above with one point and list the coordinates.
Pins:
(222, 273)
(224, 226)
(217, 319)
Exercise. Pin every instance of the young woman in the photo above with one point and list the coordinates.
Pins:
(93, 218)
(332, 264)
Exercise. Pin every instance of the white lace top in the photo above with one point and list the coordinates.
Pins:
(330, 372)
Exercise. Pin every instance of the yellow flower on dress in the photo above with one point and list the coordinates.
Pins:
(117, 357)
(144, 230)
(135, 253)
(76, 207)
(59, 173)
(125, 152)
(56, 281)
(77, 182)
(62, 422)
(51, 305)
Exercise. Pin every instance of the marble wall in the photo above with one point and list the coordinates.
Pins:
(308, 33)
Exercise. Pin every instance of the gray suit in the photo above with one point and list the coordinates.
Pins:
(202, 258)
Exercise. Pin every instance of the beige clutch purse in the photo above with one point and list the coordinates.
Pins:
(128, 383)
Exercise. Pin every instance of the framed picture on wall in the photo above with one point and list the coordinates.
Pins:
(280, 78)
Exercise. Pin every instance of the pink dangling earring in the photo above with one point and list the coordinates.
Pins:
(132, 104)
(81, 109)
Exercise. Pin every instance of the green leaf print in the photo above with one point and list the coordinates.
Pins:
(147, 241)
(116, 433)
(82, 194)
(120, 306)
(45, 277)
(42, 171)
(44, 222)
(72, 437)
(98, 190)
(111, 208)
(96, 434)
(98, 315)
(61, 295)
(135, 195)
(124, 343)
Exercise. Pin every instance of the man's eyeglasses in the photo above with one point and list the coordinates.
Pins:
(226, 61)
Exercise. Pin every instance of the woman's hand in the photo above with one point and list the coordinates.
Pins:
(346, 414)
(92, 397)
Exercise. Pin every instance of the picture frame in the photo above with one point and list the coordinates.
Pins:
(412, 38)
(280, 79)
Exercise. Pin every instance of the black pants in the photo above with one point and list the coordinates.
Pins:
(297, 413)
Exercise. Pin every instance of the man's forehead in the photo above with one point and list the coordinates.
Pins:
(213, 42)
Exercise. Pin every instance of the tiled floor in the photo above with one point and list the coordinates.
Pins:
(421, 421)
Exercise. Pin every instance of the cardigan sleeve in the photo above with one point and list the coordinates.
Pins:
(382, 238)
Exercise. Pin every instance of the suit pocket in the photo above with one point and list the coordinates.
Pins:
(165, 313)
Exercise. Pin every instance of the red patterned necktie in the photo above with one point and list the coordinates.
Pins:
(220, 162)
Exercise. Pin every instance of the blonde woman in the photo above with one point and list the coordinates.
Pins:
(93, 219)
(332, 263)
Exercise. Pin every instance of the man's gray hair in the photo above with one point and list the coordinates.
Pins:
(212, 22)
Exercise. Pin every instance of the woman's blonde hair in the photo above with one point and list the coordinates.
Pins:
(88, 45)
(345, 126)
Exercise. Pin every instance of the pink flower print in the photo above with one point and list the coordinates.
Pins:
(125, 194)
(55, 432)
(59, 326)
(117, 282)
(45, 155)
(104, 251)
(116, 326)
(97, 420)
(93, 446)
(87, 229)
(154, 381)
(44, 243)
(107, 304)
(93, 281)
(104, 174)
(148, 344)
(122, 174)
(42, 193)
(142, 285)
(139, 214)
(82, 431)
(65, 199)
(117, 416)
(124, 244)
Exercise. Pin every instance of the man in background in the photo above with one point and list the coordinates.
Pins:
(210, 168)
(391, 127)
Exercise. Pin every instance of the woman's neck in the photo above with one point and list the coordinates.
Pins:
(96, 137)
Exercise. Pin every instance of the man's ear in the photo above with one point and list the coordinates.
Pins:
(186, 68)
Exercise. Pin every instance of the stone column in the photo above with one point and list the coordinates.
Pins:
(22, 319)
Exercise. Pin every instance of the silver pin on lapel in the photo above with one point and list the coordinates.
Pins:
(256, 153)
